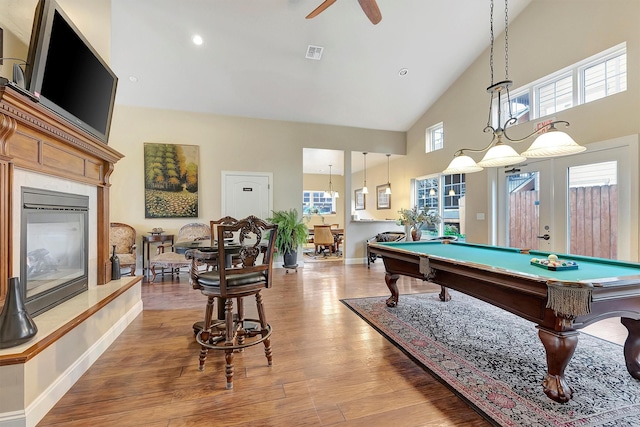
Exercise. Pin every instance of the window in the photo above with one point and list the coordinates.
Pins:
(317, 202)
(601, 75)
(519, 108)
(435, 138)
(443, 194)
(427, 193)
(555, 96)
(453, 189)
(605, 78)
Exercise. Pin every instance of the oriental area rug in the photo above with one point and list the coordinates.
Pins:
(495, 361)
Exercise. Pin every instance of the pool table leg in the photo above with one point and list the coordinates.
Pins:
(632, 346)
(391, 280)
(559, 347)
(444, 294)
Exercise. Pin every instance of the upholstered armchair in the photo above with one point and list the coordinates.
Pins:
(169, 258)
(123, 236)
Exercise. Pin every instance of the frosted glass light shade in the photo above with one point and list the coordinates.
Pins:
(553, 143)
(365, 190)
(387, 190)
(501, 155)
(462, 164)
(336, 194)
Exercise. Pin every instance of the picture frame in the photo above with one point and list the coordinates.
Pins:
(384, 199)
(171, 180)
(360, 200)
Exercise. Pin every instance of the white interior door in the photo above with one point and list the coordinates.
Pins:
(554, 214)
(246, 193)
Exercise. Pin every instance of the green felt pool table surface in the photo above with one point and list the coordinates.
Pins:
(558, 302)
(590, 269)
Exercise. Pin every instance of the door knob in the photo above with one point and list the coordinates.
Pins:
(545, 237)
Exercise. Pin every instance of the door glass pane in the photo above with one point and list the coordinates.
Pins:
(523, 204)
(593, 209)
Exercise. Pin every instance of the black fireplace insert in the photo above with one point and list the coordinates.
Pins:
(54, 240)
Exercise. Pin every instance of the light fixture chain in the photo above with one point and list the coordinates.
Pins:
(506, 39)
(491, 42)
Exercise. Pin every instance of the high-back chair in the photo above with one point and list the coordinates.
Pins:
(193, 232)
(227, 220)
(323, 238)
(123, 236)
(168, 258)
(254, 272)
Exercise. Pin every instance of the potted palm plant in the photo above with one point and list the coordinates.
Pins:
(292, 232)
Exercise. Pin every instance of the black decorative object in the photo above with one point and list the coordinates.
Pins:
(115, 265)
(16, 325)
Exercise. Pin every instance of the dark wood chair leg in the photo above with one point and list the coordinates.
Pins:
(263, 326)
(206, 333)
(240, 319)
(229, 338)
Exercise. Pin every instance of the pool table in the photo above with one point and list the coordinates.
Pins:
(559, 302)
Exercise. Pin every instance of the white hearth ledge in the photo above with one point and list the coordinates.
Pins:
(70, 338)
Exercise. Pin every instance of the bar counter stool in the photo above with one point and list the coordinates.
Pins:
(254, 249)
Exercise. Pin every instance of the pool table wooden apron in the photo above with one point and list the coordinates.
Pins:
(559, 302)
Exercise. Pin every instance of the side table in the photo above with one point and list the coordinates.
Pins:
(146, 253)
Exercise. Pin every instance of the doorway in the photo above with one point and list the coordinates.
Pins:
(581, 204)
(247, 193)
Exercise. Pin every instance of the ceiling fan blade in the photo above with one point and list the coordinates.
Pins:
(318, 10)
(371, 9)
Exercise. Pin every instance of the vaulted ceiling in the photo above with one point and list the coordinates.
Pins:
(252, 60)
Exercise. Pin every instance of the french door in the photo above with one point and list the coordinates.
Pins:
(585, 204)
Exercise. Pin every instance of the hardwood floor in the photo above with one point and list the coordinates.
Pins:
(329, 366)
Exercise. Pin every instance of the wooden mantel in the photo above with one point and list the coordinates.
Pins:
(35, 139)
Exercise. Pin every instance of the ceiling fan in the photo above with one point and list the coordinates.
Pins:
(370, 8)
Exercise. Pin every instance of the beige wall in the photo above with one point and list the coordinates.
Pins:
(547, 36)
(229, 144)
(376, 176)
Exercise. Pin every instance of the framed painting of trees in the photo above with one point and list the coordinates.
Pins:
(170, 180)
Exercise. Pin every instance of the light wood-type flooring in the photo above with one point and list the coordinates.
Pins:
(329, 367)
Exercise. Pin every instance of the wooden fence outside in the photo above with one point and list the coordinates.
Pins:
(593, 213)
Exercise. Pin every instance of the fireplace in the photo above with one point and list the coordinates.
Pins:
(54, 241)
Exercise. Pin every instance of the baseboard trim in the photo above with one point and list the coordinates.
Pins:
(48, 397)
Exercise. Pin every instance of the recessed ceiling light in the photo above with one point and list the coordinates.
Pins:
(403, 72)
(197, 40)
(133, 79)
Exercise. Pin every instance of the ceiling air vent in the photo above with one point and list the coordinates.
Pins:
(314, 52)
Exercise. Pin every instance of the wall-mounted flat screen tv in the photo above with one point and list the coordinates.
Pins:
(67, 74)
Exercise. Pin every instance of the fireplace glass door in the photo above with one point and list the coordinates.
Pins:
(54, 246)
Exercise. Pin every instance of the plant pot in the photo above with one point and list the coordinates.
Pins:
(290, 258)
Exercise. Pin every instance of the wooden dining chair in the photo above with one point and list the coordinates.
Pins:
(255, 249)
(323, 239)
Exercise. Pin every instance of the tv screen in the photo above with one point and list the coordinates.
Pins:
(67, 75)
